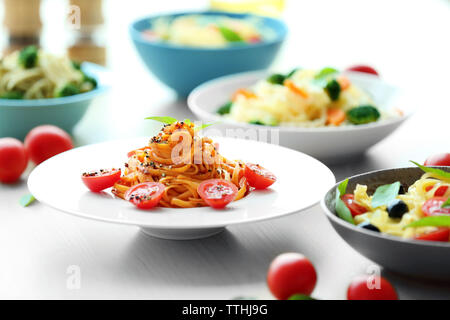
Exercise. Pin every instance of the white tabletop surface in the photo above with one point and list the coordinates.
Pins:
(42, 249)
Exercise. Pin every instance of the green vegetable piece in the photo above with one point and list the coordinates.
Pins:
(165, 120)
(341, 209)
(290, 74)
(446, 204)
(435, 221)
(68, 90)
(325, 72)
(276, 79)
(28, 57)
(90, 80)
(230, 35)
(363, 114)
(76, 65)
(438, 172)
(225, 109)
(298, 296)
(26, 200)
(385, 194)
(12, 95)
(204, 126)
(257, 122)
(271, 122)
(333, 88)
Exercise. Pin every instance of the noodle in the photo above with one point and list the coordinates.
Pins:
(44, 80)
(180, 159)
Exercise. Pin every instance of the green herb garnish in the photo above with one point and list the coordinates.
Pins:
(290, 74)
(225, 109)
(203, 126)
(435, 221)
(298, 296)
(165, 120)
(325, 72)
(363, 114)
(341, 209)
(438, 172)
(385, 194)
(446, 204)
(276, 79)
(26, 200)
(230, 35)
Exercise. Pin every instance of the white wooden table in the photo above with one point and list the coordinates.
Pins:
(41, 249)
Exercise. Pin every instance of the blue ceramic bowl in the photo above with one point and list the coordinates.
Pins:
(184, 68)
(18, 117)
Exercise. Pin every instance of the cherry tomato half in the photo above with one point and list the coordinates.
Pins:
(13, 160)
(441, 234)
(355, 208)
(46, 141)
(217, 193)
(145, 195)
(371, 288)
(442, 159)
(364, 69)
(289, 274)
(100, 180)
(433, 207)
(259, 177)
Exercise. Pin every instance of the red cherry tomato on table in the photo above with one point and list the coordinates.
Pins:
(289, 274)
(13, 160)
(371, 288)
(145, 195)
(441, 234)
(363, 69)
(355, 208)
(100, 180)
(442, 159)
(217, 193)
(259, 177)
(433, 207)
(46, 141)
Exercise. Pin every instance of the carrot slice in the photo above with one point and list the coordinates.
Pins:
(343, 82)
(246, 93)
(291, 85)
(335, 116)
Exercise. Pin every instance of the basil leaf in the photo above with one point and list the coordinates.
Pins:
(187, 121)
(229, 34)
(198, 128)
(300, 297)
(166, 120)
(435, 221)
(26, 200)
(325, 72)
(439, 172)
(385, 194)
(446, 204)
(341, 209)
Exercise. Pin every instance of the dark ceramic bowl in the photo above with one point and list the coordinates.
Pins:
(424, 259)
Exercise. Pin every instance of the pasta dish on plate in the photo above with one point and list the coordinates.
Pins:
(181, 169)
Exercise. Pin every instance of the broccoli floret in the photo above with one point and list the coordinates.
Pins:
(28, 57)
(290, 74)
(76, 65)
(13, 95)
(90, 80)
(68, 90)
(333, 88)
(363, 114)
(225, 109)
(276, 79)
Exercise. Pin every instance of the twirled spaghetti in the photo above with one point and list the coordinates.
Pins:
(180, 159)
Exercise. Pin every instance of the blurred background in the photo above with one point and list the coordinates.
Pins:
(406, 40)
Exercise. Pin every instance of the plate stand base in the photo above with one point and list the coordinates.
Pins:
(182, 234)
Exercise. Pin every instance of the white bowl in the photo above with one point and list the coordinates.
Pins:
(297, 174)
(330, 144)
